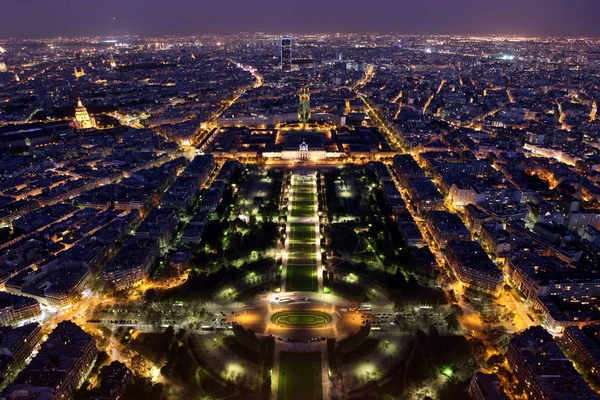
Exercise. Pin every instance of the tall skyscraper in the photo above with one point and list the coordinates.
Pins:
(286, 53)
(304, 105)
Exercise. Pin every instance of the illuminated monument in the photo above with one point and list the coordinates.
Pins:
(82, 118)
(79, 72)
(304, 106)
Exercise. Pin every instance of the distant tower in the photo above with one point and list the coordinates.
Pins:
(82, 118)
(286, 53)
(113, 63)
(79, 72)
(304, 106)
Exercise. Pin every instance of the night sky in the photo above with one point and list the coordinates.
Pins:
(50, 18)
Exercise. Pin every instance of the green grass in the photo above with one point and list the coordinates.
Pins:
(301, 319)
(302, 233)
(300, 376)
(302, 253)
(148, 345)
(304, 199)
(303, 209)
(301, 277)
(301, 271)
(299, 185)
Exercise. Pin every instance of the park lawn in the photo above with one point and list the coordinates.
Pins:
(148, 345)
(303, 208)
(304, 194)
(304, 185)
(304, 198)
(301, 277)
(302, 253)
(302, 233)
(301, 318)
(300, 376)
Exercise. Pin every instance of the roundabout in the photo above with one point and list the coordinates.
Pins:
(301, 319)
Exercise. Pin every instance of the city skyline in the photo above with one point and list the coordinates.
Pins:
(299, 216)
(532, 18)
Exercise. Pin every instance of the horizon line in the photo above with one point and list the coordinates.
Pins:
(388, 33)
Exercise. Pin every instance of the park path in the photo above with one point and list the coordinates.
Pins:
(296, 347)
(325, 382)
(275, 374)
(307, 220)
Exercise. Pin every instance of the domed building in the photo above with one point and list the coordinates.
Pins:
(82, 118)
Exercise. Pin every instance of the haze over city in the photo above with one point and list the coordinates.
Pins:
(42, 18)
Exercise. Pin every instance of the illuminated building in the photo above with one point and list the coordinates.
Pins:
(543, 369)
(486, 387)
(59, 368)
(17, 345)
(286, 53)
(79, 72)
(304, 105)
(584, 346)
(82, 118)
(133, 263)
(535, 276)
(445, 226)
(473, 268)
(15, 309)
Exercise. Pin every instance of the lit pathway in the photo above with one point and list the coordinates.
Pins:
(314, 219)
(326, 383)
(275, 374)
(321, 346)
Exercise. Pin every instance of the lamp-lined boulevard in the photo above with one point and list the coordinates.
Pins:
(302, 264)
(303, 259)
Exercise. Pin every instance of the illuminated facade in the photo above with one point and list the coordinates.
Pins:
(79, 72)
(82, 118)
(286, 53)
(304, 105)
(304, 153)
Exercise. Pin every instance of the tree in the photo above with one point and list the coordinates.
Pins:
(454, 389)
(457, 310)
(495, 360)
(432, 331)
(185, 366)
(451, 322)
(102, 358)
(167, 338)
(478, 347)
(452, 296)
(495, 334)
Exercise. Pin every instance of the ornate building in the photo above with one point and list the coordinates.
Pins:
(82, 118)
(79, 72)
(304, 106)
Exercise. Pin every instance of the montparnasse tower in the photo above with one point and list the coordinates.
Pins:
(82, 117)
(304, 105)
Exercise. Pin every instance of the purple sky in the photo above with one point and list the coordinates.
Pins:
(49, 18)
